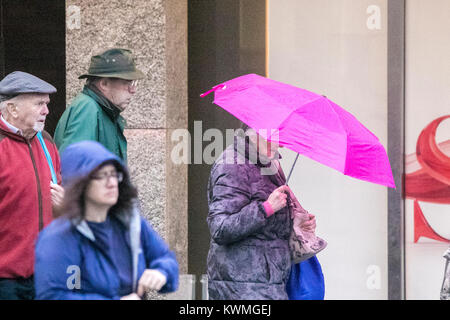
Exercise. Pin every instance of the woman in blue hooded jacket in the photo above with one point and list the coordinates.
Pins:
(100, 247)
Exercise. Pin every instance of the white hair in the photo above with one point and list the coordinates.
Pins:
(3, 105)
(15, 99)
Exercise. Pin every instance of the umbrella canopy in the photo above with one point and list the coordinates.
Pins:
(307, 123)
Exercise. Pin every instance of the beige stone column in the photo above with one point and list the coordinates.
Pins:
(156, 32)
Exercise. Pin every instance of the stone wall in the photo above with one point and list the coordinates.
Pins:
(156, 32)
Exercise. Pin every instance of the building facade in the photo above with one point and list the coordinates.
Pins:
(387, 62)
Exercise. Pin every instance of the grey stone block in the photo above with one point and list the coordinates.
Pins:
(146, 161)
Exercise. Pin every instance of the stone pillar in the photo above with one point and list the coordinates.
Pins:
(156, 32)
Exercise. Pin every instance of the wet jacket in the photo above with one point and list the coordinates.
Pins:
(249, 257)
(71, 264)
(66, 252)
(25, 199)
(92, 117)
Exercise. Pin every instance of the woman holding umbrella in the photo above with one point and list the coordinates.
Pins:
(249, 254)
(100, 247)
(249, 222)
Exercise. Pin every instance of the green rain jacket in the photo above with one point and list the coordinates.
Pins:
(92, 117)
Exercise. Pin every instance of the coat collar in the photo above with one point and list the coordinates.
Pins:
(129, 220)
(269, 167)
(10, 126)
(110, 108)
(5, 130)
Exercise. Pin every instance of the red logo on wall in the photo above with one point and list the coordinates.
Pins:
(430, 182)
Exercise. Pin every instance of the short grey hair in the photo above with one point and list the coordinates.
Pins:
(2, 106)
(5, 100)
(92, 80)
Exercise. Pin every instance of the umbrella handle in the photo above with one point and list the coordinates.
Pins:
(292, 168)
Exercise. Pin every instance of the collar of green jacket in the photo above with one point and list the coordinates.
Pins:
(110, 108)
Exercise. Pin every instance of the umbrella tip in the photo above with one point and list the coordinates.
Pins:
(213, 89)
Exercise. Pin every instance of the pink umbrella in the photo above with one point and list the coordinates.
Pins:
(307, 123)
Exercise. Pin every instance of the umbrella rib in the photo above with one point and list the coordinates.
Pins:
(346, 133)
(309, 102)
(292, 169)
(292, 111)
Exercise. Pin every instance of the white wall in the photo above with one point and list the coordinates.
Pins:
(427, 97)
(334, 47)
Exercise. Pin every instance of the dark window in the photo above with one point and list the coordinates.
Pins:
(226, 39)
(32, 40)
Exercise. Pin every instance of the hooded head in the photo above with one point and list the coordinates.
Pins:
(80, 162)
(80, 159)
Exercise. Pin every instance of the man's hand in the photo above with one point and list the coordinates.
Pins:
(151, 279)
(57, 193)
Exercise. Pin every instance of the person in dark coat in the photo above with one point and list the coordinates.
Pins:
(249, 222)
(100, 247)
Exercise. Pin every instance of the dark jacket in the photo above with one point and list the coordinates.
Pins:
(249, 257)
(25, 199)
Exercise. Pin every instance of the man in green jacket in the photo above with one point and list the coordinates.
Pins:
(95, 113)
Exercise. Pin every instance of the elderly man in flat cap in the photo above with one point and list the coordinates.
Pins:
(27, 194)
(95, 113)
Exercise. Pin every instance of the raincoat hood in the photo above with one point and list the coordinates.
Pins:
(79, 159)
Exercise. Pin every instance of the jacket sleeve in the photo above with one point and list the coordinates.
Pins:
(55, 271)
(233, 213)
(158, 256)
(82, 124)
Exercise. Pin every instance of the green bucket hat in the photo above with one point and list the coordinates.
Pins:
(114, 63)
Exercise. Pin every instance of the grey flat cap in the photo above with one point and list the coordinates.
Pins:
(18, 82)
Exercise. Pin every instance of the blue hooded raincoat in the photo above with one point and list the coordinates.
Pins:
(71, 265)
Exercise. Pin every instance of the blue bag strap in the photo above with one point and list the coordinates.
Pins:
(49, 158)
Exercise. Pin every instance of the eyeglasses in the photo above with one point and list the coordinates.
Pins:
(132, 84)
(104, 176)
